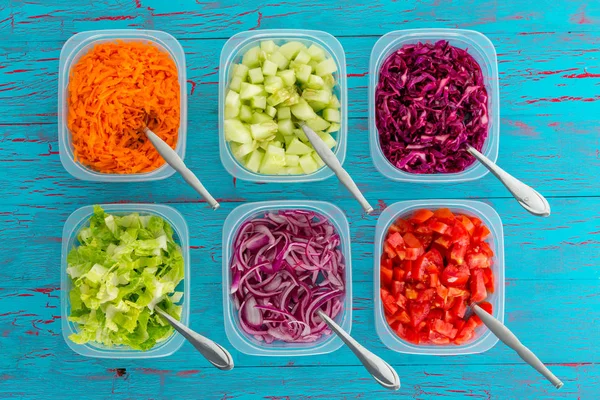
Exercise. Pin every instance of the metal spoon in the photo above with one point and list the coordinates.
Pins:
(383, 373)
(173, 159)
(213, 352)
(509, 339)
(529, 199)
(332, 162)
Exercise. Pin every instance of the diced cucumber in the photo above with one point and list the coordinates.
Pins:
(313, 64)
(240, 70)
(245, 113)
(269, 68)
(316, 106)
(285, 126)
(303, 57)
(291, 49)
(235, 84)
(254, 160)
(263, 130)
(334, 102)
(303, 111)
(281, 60)
(276, 143)
(273, 84)
(288, 139)
(332, 114)
(251, 58)
(231, 112)
(284, 113)
(295, 170)
(308, 164)
(321, 96)
(325, 67)
(270, 111)
(316, 53)
(255, 75)
(315, 82)
(259, 117)
(296, 147)
(258, 102)
(233, 99)
(329, 81)
(303, 72)
(318, 159)
(294, 99)
(334, 127)
(328, 139)
(248, 90)
(317, 124)
(236, 131)
(273, 160)
(268, 46)
(288, 76)
(240, 151)
(264, 144)
(291, 160)
(301, 135)
(280, 96)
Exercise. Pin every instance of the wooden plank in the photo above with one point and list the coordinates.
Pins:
(557, 156)
(539, 74)
(51, 20)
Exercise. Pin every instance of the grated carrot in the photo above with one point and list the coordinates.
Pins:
(113, 90)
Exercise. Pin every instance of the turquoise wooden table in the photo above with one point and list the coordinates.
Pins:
(550, 137)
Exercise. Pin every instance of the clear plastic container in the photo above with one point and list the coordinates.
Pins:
(244, 342)
(232, 54)
(73, 225)
(77, 46)
(484, 339)
(484, 52)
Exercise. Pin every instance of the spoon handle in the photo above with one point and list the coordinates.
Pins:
(529, 198)
(383, 373)
(332, 162)
(509, 339)
(173, 159)
(213, 352)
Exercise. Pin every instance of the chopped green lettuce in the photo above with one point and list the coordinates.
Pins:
(123, 267)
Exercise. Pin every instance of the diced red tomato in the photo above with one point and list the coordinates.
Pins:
(386, 276)
(411, 241)
(459, 308)
(439, 227)
(445, 328)
(469, 226)
(489, 280)
(418, 312)
(399, 274)
(395, 239)
(478, 292)
(444, 214)
(457, 254)
(481, 233)
(477, 260)
(453, 276)
(487, 307)
(433, 265)
(421, 216)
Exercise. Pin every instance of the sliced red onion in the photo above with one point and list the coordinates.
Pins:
(285, 266)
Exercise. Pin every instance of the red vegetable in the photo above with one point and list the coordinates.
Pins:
(433, 266)
(286, 266)
(429, 103)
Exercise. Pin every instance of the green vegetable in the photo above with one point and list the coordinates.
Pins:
(273, 90)
(123, 267)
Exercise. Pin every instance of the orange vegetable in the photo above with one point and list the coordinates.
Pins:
(113, 90)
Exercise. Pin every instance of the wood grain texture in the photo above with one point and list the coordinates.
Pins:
(550, 137)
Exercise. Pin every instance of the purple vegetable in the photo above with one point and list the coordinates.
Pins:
(285, 266)
(429, 103)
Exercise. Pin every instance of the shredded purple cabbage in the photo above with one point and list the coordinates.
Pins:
(286, 265)
(430, 101)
